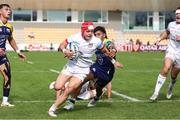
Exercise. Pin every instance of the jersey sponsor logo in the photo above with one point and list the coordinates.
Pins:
(94, 69)
(108, 72)
(8, 30)
(0, 29)
(4, 59)
(99, 59)
(90, 45)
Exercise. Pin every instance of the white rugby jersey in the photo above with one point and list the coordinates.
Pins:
(174, 37)
(86, 49)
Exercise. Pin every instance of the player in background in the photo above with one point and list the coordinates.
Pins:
(172, 57)
(6, 31)
(76, 70)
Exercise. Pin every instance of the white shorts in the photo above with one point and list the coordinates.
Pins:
(175, 57)
(76, 71)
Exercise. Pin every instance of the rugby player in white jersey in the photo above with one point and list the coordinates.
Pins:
(76, 70)
(172, 57)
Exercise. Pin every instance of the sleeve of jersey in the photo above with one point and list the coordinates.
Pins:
(168, 28)
(11, 29)
(100, 44)
(70, 39)
(108, 43)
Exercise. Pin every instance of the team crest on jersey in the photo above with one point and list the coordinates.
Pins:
(99, 59)
(90, 45)
(8, 30)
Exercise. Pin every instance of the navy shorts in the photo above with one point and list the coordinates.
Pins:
(103, 77)
(3, 59)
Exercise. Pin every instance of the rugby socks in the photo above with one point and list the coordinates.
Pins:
(172, 83)
(5, 94)
(53, 108)
(5, 99)
(160, 81)
(72, 100)
(98, 92)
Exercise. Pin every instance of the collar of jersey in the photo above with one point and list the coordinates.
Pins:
(1, 23)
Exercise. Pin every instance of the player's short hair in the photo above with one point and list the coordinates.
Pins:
(4, 5)
(102, 29)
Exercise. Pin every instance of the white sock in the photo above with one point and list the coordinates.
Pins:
(5, 99)
(160, 81)
(53, 108)
(85, 96)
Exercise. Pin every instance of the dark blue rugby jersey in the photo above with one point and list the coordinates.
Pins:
(5, 32)
(103, 68)
(103, 61)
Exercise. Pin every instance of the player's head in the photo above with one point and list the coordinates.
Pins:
(5, 11)
(177, 15)
(87, 29)
(100, 32)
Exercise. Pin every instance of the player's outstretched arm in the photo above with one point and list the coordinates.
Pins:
(14, 46)
(118, 65)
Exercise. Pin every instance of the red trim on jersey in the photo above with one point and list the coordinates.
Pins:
(66, 40)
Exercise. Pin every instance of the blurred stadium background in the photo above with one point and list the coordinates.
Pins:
(40, 25)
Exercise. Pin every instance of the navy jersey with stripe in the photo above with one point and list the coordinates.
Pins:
(5, 33)
(103, 68)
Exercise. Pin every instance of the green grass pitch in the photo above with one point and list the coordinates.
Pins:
(32, 98)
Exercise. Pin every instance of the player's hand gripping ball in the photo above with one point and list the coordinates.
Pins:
(73, 46)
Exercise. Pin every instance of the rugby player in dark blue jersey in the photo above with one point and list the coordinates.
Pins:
(104, 67)
(6, 30)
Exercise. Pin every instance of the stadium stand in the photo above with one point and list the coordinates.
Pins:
(53, 35)
(144, 37)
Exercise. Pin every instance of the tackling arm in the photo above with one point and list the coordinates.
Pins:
(110, 53)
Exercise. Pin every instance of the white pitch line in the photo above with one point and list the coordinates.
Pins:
(26, 71)
(55, 71)
(140, 71)
(30, 62)
(33, 101)
(125, 96)
(114, 92)
(102, 101)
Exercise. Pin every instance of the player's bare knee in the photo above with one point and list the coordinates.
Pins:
(69, 90)
(165, 71)
(58, 87)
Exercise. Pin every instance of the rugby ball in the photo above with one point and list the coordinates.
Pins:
(73, 46)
